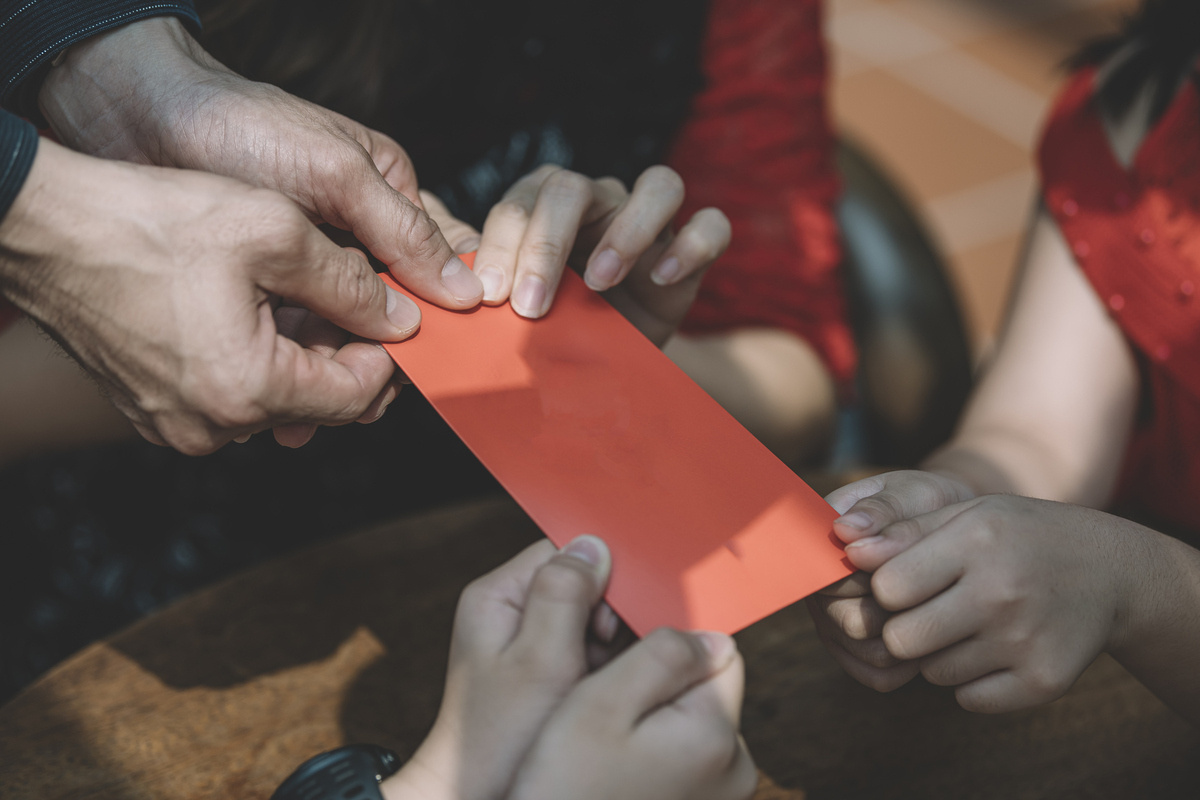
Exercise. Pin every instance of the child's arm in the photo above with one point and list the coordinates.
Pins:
(521, 717)
(1009, 599)
(1050, 419)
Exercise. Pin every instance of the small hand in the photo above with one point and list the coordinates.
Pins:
(621, 241)
(660, 722)
(517, 650)
(848, 619)
(1006, 599)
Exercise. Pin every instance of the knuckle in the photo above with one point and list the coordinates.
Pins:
(509, 212)
(665, 180)
(612, 185)
(418, 230)
(542, 250)
(188, 438)
(563, 582)
(897, 640)
(1045, 682)
(855, 618)
(356, 288)
(674, 650)
(566, 182)
(886, 588)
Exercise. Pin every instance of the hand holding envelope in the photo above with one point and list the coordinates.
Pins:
(593, 430)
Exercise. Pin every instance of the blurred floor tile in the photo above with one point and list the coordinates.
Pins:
(949, 96)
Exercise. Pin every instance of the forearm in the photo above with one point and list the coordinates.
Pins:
(769, 380)
(1157, 638)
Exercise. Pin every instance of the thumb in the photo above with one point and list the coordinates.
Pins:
(408, 241)
(340, 286)
(562, 595)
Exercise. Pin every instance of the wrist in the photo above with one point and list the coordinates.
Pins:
(424, 777)
(1147, 570)
(119, 93)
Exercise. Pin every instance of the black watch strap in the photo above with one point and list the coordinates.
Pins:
(347, 773)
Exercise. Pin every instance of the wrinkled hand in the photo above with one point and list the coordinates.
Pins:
(848, 618)
(164, 285)
(1005, 598)
(521, 717)
(147, 92)
(621, 241)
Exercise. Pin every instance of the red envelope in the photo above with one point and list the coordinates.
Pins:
(593, 430)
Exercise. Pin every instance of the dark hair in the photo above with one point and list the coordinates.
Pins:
(1166, 34)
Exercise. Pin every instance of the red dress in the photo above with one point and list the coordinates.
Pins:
(758, 146)
(1135, 234)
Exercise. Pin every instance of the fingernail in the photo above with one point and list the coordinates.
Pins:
(587, 549)
(530, 296)
(401, 311)
(864, 542)
(719, 645)
(603, 270)
(858, 521)
(460, 281)
(493, 281)
(666, 272)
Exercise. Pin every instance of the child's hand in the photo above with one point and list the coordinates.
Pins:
(660, 721)
(1005, 598)
(620, 241)
(847, 617)
(516, 652)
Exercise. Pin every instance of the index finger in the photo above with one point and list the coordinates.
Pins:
(870, 505)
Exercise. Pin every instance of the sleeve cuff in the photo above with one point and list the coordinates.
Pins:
(31, 36)
(18, 146)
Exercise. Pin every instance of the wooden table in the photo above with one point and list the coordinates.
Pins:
(220, 695)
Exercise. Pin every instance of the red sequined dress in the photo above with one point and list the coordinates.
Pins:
(1135, 233)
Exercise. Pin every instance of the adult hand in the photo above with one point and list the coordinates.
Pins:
(147, 92)
(1005, 598)
(164, 285)
(848, 618)
(620, 241)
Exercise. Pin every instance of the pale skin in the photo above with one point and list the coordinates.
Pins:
(621, 241)
(1008, 599)
(524, 717)
(148, 93)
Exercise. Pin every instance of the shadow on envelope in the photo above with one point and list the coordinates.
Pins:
(593, 430)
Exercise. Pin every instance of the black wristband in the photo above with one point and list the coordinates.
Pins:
(353, 772)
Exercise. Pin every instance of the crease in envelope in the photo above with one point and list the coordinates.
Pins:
(592, 429)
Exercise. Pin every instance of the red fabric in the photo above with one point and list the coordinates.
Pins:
(1136, 235)
(758, 145)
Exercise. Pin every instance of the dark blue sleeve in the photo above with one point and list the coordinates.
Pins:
(18, 146)
(32, 32)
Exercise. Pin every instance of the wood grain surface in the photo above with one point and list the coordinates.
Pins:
(222, 694)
